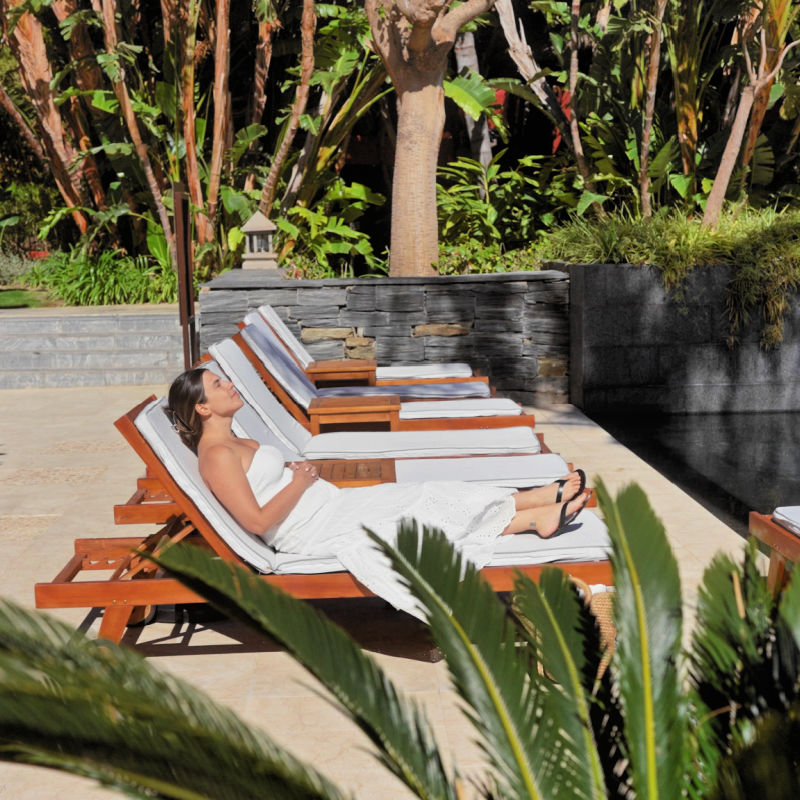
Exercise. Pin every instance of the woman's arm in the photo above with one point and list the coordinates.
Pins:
(221, 469)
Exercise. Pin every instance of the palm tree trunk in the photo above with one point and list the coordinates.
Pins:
(258, 98)
(28, 46)
(654, 59)
(221, 104)
(308, 24)
(574, 128)
(203, 229)
(124, 100)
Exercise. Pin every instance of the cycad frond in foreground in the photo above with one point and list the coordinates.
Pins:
(552, 723)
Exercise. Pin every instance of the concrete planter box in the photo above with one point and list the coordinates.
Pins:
(512, 326)
(632, 346)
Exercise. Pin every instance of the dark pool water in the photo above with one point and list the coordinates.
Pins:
(730, 463)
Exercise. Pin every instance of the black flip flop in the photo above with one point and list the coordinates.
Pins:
(562, 482)
(564, 519)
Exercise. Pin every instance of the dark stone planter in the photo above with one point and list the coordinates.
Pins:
(634, 346)
(512, 326)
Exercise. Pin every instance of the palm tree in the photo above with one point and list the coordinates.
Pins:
(553, 723)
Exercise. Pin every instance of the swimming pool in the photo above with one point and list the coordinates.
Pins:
(730, 463)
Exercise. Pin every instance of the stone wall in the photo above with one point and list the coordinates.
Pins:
(512, 326)
(633, 346)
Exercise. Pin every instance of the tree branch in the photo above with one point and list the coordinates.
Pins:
(447, 28)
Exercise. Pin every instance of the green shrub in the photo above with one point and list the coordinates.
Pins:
(473, 257)
(13, 267)
(111, 278)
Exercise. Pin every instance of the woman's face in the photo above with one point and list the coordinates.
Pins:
(221, 396)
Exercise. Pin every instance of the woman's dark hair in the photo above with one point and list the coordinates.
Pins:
(185, 393)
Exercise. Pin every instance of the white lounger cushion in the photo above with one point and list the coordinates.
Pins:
(789, 517)
(421, 444)
(582, 542)
(263, 341)
(457, 369)
(466, 407)
(362, 444)
(516, 471)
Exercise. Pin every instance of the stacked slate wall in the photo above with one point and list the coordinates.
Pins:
(514, 327)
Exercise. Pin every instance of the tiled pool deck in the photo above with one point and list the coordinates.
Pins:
(62, 467)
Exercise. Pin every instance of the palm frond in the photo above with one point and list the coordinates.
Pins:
(648, 619)
(554, 610)
(98, 710)
(745, 658)
(529, 747)
(396, 726)
(789, 608)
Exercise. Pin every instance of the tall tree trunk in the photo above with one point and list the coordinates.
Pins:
(777, 18)
(128, 114)
(258, 99)
(222, 57)
(413, 39)
(414, 244)
(480, 144)
(22, 126)
(654, 60)
(758, 78)
(202, 226)
(27, 44)
(729, 157)
(308, 24)
(301, 165)
(574, 128)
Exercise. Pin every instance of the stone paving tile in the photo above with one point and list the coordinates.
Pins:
(63, 466)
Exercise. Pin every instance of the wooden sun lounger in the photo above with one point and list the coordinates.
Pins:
(784, 547)
(357, 370)
(134, 582)
(377, 410)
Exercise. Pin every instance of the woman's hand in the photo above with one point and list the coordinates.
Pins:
(304, 473)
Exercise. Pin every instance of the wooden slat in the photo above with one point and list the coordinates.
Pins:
(139, 510)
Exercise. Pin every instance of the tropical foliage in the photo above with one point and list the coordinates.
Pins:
(554, 719)
(634, 105)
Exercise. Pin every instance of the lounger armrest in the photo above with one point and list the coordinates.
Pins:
(339, 410)
(349, 370)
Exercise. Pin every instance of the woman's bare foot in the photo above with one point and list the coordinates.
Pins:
(547, 520)
(557, 492)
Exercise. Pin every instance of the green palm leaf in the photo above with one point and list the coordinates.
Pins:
(553, 608)
(99, 710)
(528, 747)
(648, 620)
(397, 727)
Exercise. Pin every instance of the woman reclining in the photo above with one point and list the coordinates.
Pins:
(294, 511)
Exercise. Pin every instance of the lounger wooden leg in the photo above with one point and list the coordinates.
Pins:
(115, 619)
(776, 576)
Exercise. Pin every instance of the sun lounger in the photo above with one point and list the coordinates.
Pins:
(780, 531)
(370, 370)
(200, 519)
(315, 408)
(363, 444)
(280, 361)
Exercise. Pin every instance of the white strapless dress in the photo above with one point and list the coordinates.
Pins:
(328, 521)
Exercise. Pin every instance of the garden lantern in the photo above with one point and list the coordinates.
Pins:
(258, 252)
